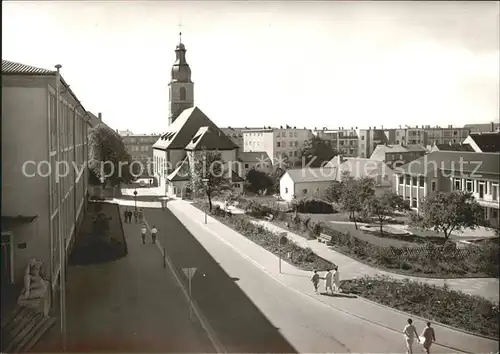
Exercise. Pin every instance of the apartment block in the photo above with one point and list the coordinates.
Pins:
(445, 171)
(276, 142)
(397, 155)
(44, 169)
(140, 147)
(344, 141)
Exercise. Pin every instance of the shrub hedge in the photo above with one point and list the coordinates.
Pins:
(313, 206)
(303, 258)
(453, 308)
(428, 260)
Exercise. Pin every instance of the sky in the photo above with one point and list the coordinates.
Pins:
(313, 64)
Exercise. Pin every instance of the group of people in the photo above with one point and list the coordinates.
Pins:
(410, 333)
(138, 215)
(144, 231)
(332, 280)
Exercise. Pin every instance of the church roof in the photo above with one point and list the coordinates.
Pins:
(184, 128)
(181, 173)
(210, 139)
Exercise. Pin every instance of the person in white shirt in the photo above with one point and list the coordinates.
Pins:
(143, 233)
(154, 233)
(328, 281)
(410, 333)
(336, 279)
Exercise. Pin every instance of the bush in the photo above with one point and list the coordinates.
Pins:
(457, 309)
(313, 206)
(300, 257)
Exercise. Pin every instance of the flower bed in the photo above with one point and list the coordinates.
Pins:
(471, 313)
(303, 258)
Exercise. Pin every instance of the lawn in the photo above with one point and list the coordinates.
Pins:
(100, 238)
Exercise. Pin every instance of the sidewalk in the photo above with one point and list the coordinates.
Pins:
(298, 280)
(350, 268)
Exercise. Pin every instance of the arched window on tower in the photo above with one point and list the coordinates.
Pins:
(182, 92)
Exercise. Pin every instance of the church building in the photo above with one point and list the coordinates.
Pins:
(190, 132)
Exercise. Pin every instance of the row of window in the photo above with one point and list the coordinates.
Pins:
(412, 180)
(480, 187)
(290, 144)
(140, 148)
(71, 127)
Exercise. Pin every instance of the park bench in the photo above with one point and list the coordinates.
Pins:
(269, 217)
(324, 238)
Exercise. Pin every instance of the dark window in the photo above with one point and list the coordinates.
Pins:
(414, 181)
(182, 92)
(421, 181)
(408, 180)
(246, 165)
(433, 186)
(401, 179)
(414, 202)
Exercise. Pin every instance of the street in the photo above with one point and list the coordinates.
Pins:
(251, 312)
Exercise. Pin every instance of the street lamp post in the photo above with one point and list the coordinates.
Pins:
(205, 182)
(166, 192)
(135, 199)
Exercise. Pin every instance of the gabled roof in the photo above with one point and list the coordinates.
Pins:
(382, 149)
(211, 139)
(358, 167)
(183, 129)
(454, 147)
(181, 173)
(10, 67)
(459, 161)
(487, 142)
(311, 174)
(254, 156)
(236, 178)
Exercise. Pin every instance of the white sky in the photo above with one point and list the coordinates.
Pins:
(259, 63)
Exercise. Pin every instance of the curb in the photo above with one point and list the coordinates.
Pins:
(425, 320)
(369, 301)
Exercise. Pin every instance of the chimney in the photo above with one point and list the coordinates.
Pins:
(99, 115)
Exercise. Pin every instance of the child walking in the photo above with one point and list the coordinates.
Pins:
(315, 281)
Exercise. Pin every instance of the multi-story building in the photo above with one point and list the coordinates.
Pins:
(483, 128)
(445, 171)
(140, 148)
(44, 168)
(344, 141)
(450, 134)
(369, 138)
(397, 155)
(277, 142)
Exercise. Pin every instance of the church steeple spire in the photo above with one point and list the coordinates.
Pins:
(181, 95)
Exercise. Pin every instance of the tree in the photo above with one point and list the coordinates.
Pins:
(333, 193)
(380, 207)
(257, 181)
(350, 198)
(317, 152)
(397, 202)
(448, 212)
(109, 160)
(209, 165)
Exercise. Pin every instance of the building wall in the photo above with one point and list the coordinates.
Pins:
(29, 133)
(287, 187)
(177, 104)
(140, 148)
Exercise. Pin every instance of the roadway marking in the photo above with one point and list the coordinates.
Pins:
(203, 321)
(311, 297)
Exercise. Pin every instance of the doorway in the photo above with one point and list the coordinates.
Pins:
(7, 258)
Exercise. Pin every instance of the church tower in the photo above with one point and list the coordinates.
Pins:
(180, 88)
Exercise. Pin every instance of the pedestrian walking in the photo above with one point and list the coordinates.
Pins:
(336, 279)
(125, 215)
(143, 233)
(315, 281)
(136, 215)
(154, 233)
(328, 281)
(410, 332)
(141, 215)
(429, 337)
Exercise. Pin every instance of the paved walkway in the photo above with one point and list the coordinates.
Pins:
(129, 305)
(350, 268)
(449, 340)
